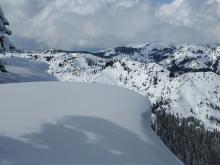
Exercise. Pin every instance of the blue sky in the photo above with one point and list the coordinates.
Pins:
(86, 24)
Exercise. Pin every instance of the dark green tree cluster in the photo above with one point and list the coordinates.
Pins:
(2, 67)
(188, 139)
(5, 44)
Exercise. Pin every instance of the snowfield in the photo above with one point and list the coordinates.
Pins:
(54, 123)
(23, 70)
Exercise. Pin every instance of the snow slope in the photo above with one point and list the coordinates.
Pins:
(23, 70)
(54, 123)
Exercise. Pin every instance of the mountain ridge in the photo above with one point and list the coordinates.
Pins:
(183, 77)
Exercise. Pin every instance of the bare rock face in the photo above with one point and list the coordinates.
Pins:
(5, 44)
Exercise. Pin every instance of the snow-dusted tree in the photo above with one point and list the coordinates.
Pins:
(5, 44)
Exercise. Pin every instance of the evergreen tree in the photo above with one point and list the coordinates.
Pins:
(5, 44)
(187, 138)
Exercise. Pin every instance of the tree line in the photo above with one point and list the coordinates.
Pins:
(187, 138)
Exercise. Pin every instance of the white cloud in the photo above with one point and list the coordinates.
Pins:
(201, 16)
(190, 12)
(82, 24)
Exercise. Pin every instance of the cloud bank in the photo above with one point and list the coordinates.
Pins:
(89, 24)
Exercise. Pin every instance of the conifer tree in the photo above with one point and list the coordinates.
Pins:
(5, 44)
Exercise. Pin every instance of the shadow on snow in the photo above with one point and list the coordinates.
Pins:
(78, 140)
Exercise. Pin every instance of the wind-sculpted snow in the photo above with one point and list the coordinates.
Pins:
(22, 70)
(77, 123)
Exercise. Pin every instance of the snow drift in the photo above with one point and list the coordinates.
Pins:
(55, 123)
(23, 70)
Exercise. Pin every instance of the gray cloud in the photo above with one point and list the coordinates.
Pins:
(198, 19)
(80, 24)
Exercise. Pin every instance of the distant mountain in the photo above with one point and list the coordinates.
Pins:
(183, 78)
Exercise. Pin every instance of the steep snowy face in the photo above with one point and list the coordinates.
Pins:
(181, 79)
(77, 123)
(5, 44)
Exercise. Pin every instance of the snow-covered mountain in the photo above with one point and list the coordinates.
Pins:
(182, 79)
(54, 123)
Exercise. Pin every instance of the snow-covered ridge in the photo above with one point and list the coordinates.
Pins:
(182, 78)
(65, 123)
